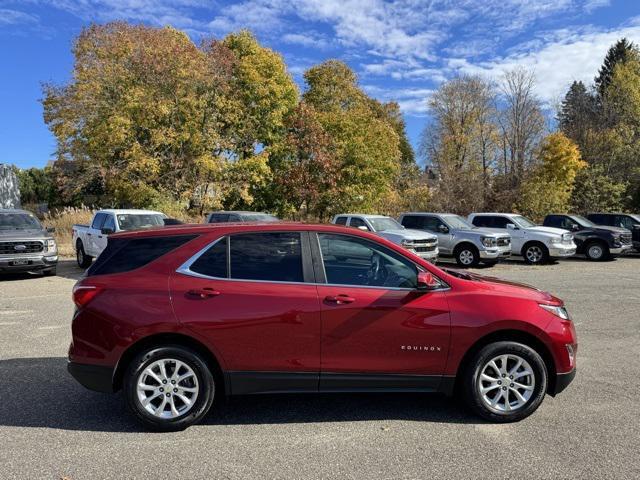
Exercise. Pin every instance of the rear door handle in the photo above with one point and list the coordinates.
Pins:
(339, 299)
(203, 292)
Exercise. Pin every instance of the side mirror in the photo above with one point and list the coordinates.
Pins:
(107, 231)
(511, 226)
(575, 227)
(427, 282)
(364, 228)
(51, 229)
(443, 229)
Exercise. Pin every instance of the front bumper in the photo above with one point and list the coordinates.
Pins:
(27, 263)
(562, 251)
(94, 377)
(431, 256)
(620, 250)
(495, 253)
(562, 381)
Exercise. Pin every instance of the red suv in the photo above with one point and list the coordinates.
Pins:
(179, 316)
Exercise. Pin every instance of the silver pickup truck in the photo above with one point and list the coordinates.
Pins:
(423, 244)
(25, 245)
(458, 238)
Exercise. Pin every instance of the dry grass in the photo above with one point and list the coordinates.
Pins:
(63, 220)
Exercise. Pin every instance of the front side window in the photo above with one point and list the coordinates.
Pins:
(625, 221)
(457, 222)
(357, 223)
(219, 218)
(109, 223)
(523, 222)
(136, 221)
(356, 261)
(98, 220)
(258, 217)
(381, 224)
(18, 221)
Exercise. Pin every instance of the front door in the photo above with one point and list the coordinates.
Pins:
(377, 329)
(252, 300)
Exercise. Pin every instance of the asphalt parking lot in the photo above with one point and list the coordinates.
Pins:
(51, 427)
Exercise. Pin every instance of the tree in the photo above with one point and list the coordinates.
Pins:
(577, 113)
(36, 186)
(619, 52)
(549, 186)
(460, 142)
(594, 191)
(366, 146)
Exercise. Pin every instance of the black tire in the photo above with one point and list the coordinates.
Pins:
(50, 272)
(597, 251)
(535, 253)
(467, 255)
(471, 382)
(84, 260)
(206, 388)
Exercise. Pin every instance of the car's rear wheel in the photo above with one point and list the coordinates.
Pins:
(169, 388)
(597, 251)
(535, 254)
(467, 256)
(505, 382)
(84, 260)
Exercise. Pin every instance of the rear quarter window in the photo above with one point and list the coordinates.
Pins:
(123, 254)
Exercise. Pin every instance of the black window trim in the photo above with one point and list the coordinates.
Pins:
(305, 251)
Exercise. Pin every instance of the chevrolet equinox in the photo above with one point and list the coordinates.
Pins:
(180, 316)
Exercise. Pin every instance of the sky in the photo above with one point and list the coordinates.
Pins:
(401, 50)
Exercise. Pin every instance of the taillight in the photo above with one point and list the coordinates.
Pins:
(83, 294)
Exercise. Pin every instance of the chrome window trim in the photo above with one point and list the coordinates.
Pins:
(185, 269)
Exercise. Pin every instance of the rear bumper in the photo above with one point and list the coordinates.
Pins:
(27, 263)
(94, 377)
(562, 381)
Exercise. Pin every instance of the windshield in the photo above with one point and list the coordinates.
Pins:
(457, 222)
(19, 221)
(380, 224)
(524, 222)
(259, 217)
(635, 217)
(582, 221)
(134, 221)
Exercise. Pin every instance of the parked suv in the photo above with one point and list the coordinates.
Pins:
(25, 245)
(239, 216)
(423, 244)
(535, 243)
(596, 242)
(177, 317)
(622, 220)
(469, 245)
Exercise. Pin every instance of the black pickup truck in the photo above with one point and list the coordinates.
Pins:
(630, 221)
(597, 242)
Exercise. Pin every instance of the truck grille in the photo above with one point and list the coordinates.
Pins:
(625, 239)
(17, 248)
(504, 241)
(422, 246)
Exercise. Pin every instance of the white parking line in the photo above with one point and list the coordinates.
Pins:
(15, 312)
(53, 327)
(6, 324)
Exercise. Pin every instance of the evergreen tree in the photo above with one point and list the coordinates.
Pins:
(620, 52)
(577, 113)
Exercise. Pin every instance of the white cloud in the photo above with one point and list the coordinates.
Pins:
(412, 101)
(306, 39)
(15, 17)
(569, 56)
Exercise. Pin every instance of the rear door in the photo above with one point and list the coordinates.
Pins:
(251, 297)
(378, 331)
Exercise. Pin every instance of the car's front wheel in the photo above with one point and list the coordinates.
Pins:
(467, 256)
(505, 382)
(597, 251)
(535, 254)
(169, 388)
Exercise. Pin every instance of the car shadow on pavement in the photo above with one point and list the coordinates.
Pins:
(38, 392)
(66, 268)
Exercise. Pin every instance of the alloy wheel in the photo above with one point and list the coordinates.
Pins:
(167, 388)
(466, 257)
(506, 383)
(534, 254)
(596, 252)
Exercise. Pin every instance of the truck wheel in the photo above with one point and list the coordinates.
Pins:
(84, 260)
(597, 251)
(467, 255)
(505, 382)
(535, 253)
(169, 388)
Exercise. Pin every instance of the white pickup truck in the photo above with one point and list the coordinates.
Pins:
(90, 240)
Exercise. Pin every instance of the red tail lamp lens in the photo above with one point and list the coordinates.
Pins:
(83, 294)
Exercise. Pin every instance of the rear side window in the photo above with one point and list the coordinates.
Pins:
(219, 218)
(600, 219)
(412, 221)
(341, 221)
(481, 221)
(213, 262)
(273, 256)
(553, 221)
(123, 255)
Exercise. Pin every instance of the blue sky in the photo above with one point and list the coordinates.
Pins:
(402, 50)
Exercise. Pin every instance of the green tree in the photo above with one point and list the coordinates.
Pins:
(36, 186)
(549, 186)
(619, 52)
(577, 113)
(594, 191)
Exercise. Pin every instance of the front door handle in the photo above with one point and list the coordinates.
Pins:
(339, 299)
(203, 292)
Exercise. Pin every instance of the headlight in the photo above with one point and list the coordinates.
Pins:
(50, 245)
(556, 239)
(567, 237)
(489, 241)
(406, 243)
(560, 312)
